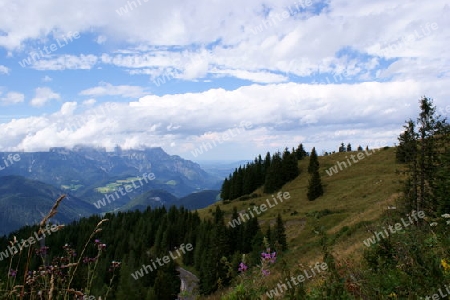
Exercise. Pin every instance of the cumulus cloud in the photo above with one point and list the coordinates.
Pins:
(331, 72)
(281, 115)
(12, 98)
(43, 95)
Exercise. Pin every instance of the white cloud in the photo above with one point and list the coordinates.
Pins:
(68, 108)
(47, 78)
(107, 89)
(66, 62)
(12, 98)
(101, 39)
(284, 114)
(261, 77)
(4, 69)
(43, 95)
(345, 42)
(89, 102)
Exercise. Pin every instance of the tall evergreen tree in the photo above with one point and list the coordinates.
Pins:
(349, 147)
(300, 152)
(225, 192)
(313, 161)
(289, 166)
(274, 181)
(315, 188)
(407, 148)
(280, 233)
(420, 146)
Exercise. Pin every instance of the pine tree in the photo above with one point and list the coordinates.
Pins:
(406, 150)
(349, 147)
(313, 161)
(225, 192)
(289, 166)
(280, 233)
(300, 152)
(342, 148)
(274, 181)
(315, 188)
(267, 163)
(420, 146)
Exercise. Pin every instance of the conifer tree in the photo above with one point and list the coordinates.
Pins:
(313, 161)
(267, 163)
(421, 144)
(225, 192)
(315, 188)
(289, 166)
(274, 181)
(280, 233)
(406, 150)
(300, 152)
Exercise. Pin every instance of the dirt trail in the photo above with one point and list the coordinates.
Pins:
(189, 284)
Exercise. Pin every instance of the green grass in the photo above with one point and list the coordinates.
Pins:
(354, 198)
(113, 186)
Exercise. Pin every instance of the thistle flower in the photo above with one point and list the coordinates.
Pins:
(242, 267)
(114, 265)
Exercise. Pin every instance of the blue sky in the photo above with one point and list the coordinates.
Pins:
(179, 74)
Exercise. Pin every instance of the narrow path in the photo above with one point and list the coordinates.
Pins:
(189, 284)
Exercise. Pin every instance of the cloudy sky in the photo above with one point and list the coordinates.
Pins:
(181, 73)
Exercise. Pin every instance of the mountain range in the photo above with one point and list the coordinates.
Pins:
(119, 180)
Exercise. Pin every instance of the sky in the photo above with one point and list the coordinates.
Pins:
(215, 79)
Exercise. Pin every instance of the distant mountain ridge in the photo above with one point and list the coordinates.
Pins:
(33, 180)
(25, 202)
(83, 169)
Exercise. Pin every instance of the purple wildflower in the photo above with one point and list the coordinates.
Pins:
(242, 267)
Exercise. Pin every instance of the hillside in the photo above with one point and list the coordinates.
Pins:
(25, 202)
(354, 198)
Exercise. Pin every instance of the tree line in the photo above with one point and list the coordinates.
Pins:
(272, 172)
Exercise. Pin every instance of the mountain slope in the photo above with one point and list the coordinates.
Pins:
(199, 200)
(83, 169)
(25, 202)
(153, 198)
(354, 198)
